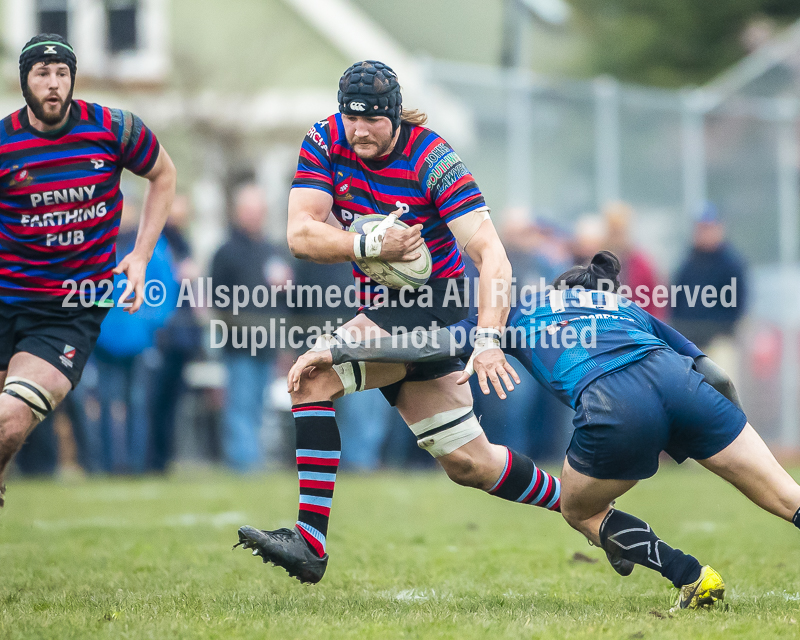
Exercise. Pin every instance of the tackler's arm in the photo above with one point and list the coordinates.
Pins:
(419, 346)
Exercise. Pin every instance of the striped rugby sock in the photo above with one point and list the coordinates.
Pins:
(318, 450)
(522, 481)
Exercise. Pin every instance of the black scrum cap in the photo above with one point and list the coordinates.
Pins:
(370, 88)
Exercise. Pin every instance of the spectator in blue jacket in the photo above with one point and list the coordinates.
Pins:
(123, 356)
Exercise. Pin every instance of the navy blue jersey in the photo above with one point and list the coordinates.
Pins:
(569, 338)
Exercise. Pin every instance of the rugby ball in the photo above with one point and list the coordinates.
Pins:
(394, 275)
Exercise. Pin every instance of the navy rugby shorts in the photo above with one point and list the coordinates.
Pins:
(64, 337)
(421, 314)
(659, 403)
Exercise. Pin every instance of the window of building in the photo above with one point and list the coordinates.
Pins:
(120, 40)
(51, 16)
(122, 32)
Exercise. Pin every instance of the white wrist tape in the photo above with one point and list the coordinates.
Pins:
(369, 246)
(485, 340)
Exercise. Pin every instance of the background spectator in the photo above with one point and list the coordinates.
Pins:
(124, 361)
(637, 267)
(178, 342)
(711, 261)
(248, 259)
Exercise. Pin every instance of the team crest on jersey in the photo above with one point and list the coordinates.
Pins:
(343, 186)
(21, 178)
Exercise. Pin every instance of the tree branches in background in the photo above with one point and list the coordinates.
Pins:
(674, 42)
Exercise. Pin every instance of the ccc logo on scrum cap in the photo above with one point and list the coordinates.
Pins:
(358, 106)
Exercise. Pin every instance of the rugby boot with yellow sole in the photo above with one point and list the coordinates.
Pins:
(703, 592)
(285, 548)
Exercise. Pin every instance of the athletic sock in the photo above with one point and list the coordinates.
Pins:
(633, 539)
(319, 448)
(522, 481)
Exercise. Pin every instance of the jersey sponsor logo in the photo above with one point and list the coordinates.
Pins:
(65, 239)
(358, 106)
(317, 139)
(404, 208)
(67, 356)
(98, 164)
(348, 217)
(453, 176)
(57, 218)
(437, 152)
(343, 187)
(442, 166)
(49, 198)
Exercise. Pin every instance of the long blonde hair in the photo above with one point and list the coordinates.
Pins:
(414, 117)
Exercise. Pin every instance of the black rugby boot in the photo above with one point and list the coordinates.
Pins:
(285, 548)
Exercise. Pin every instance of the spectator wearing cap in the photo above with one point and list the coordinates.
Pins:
(711, 261)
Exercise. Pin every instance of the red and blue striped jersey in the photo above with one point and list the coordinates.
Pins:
(60, 200)
(422, 175)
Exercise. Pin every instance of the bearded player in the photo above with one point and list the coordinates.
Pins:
(60, 204)
(375, 157)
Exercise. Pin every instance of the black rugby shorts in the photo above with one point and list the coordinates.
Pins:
(62, 336)
(417, 311)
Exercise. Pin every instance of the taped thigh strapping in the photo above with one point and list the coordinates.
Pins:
(445, 432)
(38, 398)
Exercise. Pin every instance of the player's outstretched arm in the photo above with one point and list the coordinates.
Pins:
(489, 361)
(717, 378)
(419, 346)
(155, 211)
(311, 238)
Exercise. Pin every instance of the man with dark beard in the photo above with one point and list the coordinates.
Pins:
(60, 166)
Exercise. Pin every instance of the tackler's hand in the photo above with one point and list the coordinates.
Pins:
(310, 359)
(489, 362)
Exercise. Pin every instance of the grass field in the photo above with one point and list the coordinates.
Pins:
(413, 556)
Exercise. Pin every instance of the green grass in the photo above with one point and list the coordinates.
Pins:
(413, 556)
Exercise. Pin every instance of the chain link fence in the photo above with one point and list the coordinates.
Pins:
(560, 149)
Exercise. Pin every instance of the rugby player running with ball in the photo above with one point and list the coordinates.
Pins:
(374, 157)
(60, 204)
(638, 387)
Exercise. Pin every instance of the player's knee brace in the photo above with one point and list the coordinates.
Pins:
(38, 398)
(445, 432)
(352, 374)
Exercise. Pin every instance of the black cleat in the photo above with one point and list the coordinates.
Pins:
(285, 548)
(622, 566)
(2, 495)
